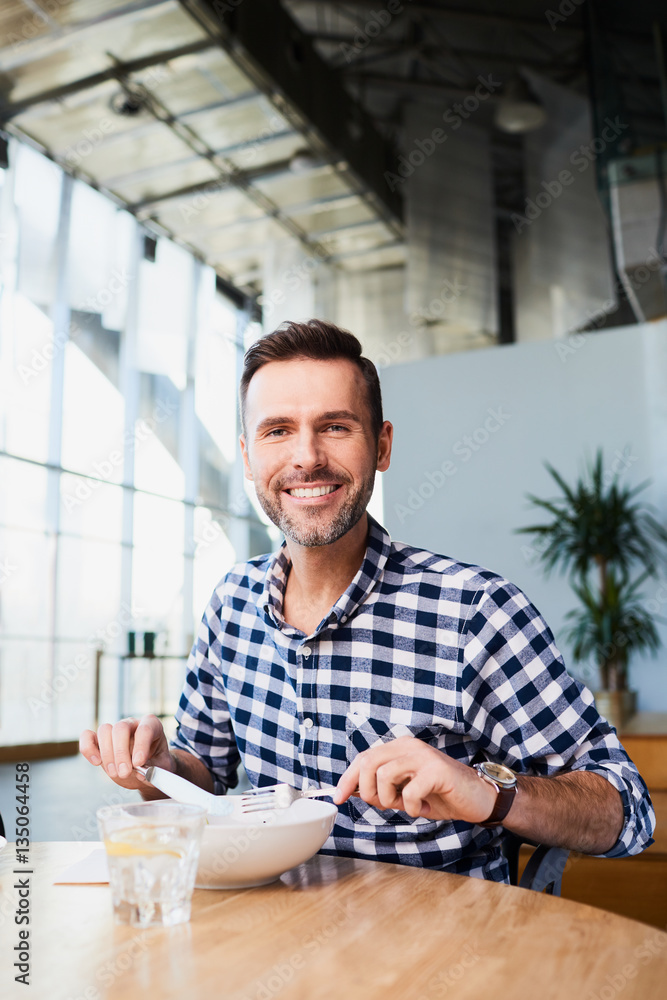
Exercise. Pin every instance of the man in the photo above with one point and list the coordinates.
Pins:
(349, 659)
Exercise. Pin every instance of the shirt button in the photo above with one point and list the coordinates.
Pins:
(307, 723)
(343, 618)
(305, 651)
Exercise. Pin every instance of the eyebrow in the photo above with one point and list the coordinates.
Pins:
(323, 417)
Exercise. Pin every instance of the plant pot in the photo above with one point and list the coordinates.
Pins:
(616, 706)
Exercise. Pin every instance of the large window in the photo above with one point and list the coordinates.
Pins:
(122, 500)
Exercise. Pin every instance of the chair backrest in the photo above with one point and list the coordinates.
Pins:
(544, 869)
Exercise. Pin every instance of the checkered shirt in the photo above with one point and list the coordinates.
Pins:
(418, 644)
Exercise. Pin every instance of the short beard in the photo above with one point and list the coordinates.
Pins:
(349, 514)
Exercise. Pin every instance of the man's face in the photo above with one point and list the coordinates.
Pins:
(308, 427)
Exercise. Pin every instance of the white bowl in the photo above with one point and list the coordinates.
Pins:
(240, 853)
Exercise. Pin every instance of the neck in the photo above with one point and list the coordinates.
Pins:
(321, 573)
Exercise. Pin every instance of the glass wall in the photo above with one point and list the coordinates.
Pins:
(122, 499)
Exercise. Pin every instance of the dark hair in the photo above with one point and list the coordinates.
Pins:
(321, 341)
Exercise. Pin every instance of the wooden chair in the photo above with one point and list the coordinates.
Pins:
(545, 867)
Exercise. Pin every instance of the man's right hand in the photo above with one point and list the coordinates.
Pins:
(127, 743)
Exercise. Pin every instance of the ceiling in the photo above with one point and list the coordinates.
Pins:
(228, 125)
(153, 105)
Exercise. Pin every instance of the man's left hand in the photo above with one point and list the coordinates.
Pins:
(412, 776)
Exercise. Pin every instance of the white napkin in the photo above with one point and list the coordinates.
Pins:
(91, 870)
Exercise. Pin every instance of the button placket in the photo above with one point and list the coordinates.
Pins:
(307, 670)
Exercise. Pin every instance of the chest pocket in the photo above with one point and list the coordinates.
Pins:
(389, 824)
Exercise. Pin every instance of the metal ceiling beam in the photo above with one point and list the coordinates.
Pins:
(450, 13)
(152, 171)
(282, 61)
(367, 250)
(228, 173)
(436, 51)
(24, 50)
(240, 179)
(153, 226)
(420, 88)
(120, 69)
(417, 87)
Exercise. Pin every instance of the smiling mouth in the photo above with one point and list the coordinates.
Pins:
(302, 492)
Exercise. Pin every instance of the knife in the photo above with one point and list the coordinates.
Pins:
(182, 790)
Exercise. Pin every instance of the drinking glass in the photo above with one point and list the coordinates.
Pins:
(152, 853)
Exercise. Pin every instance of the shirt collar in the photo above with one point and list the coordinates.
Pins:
(378, 547)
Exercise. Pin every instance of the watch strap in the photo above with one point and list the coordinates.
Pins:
(503, 804)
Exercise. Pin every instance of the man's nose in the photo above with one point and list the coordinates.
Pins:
(308, 451)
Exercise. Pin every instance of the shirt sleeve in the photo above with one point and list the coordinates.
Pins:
(204, 725)
(524, 710)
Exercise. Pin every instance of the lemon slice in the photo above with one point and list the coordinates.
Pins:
(129, 843)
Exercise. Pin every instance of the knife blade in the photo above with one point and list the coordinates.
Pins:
(182, 790)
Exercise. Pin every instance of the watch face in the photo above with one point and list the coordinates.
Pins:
(499, 773)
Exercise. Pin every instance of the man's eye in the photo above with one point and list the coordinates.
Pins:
(276, 430)
(336, 427)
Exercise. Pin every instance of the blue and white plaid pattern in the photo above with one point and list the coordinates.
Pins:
(448, 652)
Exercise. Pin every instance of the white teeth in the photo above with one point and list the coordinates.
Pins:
(318, 491)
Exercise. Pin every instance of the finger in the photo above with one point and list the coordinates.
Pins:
(105, 744)
(379, 755)
(405, 782)
(368, 789)
(147, 738)
(88, 747)
(415, 795)
(347, 783)
(121, 737)
(391, 779)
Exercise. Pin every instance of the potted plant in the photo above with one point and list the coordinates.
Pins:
(600, 535)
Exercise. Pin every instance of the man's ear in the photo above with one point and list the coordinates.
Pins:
(244, 452)
(385, 440)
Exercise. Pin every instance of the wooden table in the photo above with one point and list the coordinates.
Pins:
(332, 928)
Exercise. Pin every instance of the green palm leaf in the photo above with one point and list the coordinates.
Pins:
(602, 533)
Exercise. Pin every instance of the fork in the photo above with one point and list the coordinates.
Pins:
(279, 796)
(266, 798)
